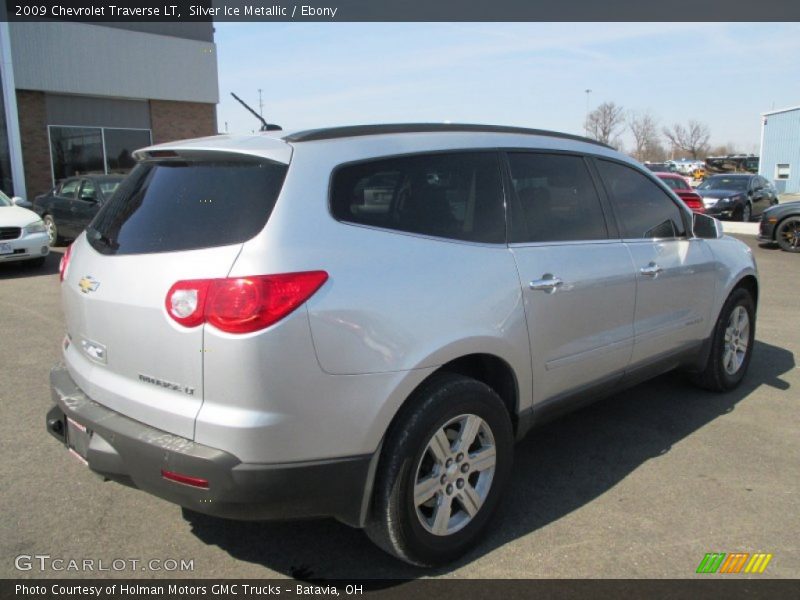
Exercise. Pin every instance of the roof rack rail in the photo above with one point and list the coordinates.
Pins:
(331, 133)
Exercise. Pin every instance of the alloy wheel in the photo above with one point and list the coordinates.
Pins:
(790, 235)
(454, 474)
(737, 340)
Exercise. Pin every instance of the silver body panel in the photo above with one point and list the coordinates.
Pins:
(327, 380)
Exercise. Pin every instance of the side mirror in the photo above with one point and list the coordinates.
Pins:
(705, 227)
(17, 200)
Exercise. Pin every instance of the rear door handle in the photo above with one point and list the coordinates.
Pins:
(651, 270)
(548, 283)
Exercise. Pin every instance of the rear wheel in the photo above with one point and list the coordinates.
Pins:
(788, 234)
(732, 344)
(444, 465)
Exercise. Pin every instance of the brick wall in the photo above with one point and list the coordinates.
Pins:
(35, 143)
(172, 121)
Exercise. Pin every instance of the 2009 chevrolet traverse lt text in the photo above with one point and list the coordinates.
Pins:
(359, 322)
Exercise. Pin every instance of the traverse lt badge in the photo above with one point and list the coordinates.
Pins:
(88, 284)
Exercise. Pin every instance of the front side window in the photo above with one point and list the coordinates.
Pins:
(457, 196)
(557, 198)
(68, 188)
(643, 209)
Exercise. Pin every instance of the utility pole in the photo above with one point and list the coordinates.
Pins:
(260, 103)
(586, 118)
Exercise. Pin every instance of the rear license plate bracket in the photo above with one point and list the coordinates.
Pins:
(78, 439)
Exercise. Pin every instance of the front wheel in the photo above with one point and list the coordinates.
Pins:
(52, 230)
(788, 234)
(731, 344)
(746, 213)
(444, 465)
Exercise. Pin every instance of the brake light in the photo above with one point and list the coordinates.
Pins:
(64, 263)
(241, 304)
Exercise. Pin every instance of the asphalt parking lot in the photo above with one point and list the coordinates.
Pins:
(643, 484)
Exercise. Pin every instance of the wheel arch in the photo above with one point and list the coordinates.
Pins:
(749, 283)
(490, 369)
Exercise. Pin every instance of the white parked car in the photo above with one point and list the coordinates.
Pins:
(22, 233)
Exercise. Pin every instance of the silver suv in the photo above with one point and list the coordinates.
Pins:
(359, 322)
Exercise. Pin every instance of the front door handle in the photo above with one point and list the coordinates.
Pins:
(651, 270)
(548, 283)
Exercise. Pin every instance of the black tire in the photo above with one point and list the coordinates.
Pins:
(787, 234)
(52, 230)
(715, 376)
(745, 213)
(394, 523)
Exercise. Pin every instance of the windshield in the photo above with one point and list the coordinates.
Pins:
(724, 183)
(5, 200)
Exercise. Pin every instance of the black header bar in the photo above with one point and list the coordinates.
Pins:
(403, 10)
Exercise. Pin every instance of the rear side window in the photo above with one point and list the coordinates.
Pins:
(643, 209)
(171, 206)
(457, 196)
(557, 198)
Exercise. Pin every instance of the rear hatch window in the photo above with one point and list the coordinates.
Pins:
(171, 206)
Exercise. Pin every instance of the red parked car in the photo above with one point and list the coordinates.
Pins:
(685, 191)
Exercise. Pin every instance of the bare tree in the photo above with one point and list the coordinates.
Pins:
(724, 150)
(644, 128)
(604, 123)
(692, 139)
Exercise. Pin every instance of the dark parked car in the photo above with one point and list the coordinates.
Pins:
(737, 196)
(69, 207)
(781, 225)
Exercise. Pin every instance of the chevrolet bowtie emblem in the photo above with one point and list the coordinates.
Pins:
(88, 284)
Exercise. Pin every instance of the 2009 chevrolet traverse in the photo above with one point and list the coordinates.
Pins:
(358, 322)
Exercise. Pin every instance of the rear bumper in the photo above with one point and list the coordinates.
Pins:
(135, 454)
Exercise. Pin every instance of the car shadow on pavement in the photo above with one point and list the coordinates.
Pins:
(560, 467)
(24, 268)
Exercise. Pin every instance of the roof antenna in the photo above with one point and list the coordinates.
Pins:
(264, 125)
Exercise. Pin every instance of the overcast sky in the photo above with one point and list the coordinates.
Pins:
(524, 74)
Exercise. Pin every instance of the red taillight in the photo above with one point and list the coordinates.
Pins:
(241, 304)
(62, 266)
(197, 482)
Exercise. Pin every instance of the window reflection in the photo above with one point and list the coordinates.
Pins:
(94, 150)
